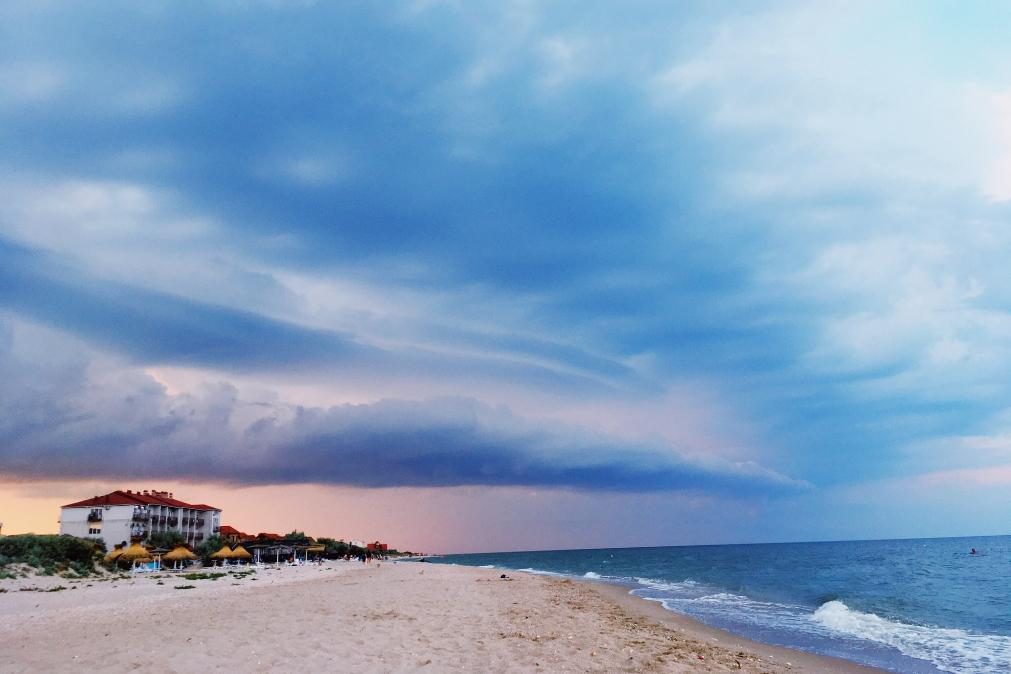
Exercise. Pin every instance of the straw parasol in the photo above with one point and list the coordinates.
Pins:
(114, 554)
(241, 553)
(179, 554)
(224, 553)
(135, 553)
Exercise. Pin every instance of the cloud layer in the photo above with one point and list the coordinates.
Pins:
(66, 421)
(795, 211)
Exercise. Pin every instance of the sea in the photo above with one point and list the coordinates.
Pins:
(914, 605)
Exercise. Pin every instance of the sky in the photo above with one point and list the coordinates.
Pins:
(477, 276)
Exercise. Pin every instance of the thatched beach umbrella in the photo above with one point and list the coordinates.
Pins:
(179, 554)
(135, 553)
(241, 553)
(224, 553)
(114, 554)
(157, 553)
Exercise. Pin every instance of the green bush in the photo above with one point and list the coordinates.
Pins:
(208, 548)
(166, 539)
(49, 553)
(203, 576)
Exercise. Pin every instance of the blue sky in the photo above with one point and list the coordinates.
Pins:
(745, 257)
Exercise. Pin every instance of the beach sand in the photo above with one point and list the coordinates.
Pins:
(388, 617)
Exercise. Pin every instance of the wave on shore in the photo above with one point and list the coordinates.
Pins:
(946, 649)
(940, 649)
(919, 606)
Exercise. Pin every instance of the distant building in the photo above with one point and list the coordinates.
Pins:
(377, 547)
(124, 516)
(232, 535)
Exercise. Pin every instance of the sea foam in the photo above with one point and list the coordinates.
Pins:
(950, 650)
(542, 572)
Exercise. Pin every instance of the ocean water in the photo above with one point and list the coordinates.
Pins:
(919, 606)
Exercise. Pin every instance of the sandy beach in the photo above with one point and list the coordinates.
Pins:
(388, 617)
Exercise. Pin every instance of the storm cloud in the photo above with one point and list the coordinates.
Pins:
(64, 422)
(387, 224)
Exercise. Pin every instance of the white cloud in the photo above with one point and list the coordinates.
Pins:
(837, 106)
(919, 309)
(313, 171)
(995, 110)
(31, 83)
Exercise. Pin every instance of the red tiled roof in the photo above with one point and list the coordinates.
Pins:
(115, 498)
(120, 497)
(270, 537)
(226, 530)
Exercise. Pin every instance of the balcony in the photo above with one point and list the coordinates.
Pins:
(141, 517)
(186, 521)
(159, 520)
(198, 537)
(173, 521)
(199, 523)
(95, 516)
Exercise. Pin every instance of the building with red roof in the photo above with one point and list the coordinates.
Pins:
(123, 516)
(232, 535)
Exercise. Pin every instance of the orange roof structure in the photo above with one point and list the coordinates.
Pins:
(226, 531)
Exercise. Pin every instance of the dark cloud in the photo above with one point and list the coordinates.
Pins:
(127, 425)
(154, 327)
(619, 228)
(157, 327)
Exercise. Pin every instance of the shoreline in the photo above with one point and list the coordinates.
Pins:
(383, 617)
(791, 657)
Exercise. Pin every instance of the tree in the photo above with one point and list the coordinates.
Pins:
(334, 549)
(297, 536)
(99, 545)
(166, 539)
(209, 547)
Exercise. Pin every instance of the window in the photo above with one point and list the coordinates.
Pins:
(94, 531)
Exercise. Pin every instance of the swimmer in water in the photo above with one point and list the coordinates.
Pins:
(973, 551)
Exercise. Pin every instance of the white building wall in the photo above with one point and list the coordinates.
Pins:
(113, 528)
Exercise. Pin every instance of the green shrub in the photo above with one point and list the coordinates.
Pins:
(203, 576)
(166, 539)
(49, 553)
